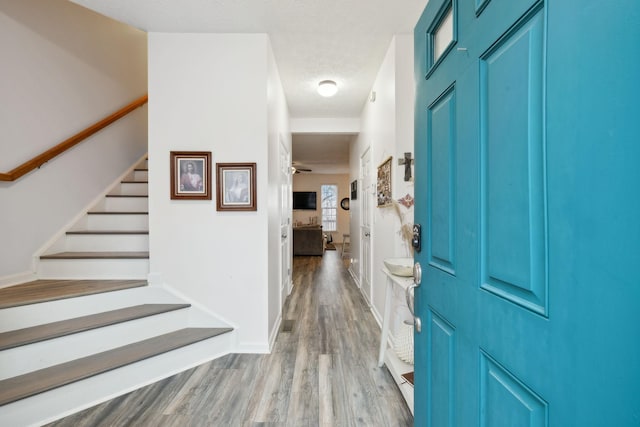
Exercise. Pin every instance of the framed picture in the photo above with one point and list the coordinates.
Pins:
(354, 190)
(236, 186)
(191, 175)
(383, 188)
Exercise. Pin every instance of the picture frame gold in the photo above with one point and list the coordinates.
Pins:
(383, 185)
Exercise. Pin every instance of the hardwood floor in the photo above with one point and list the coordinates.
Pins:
(322, 371)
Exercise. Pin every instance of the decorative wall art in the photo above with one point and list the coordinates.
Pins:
(344, 203)
(383, 188)
(354, 190)
(236, 187)
(190, 175)
(407, 162)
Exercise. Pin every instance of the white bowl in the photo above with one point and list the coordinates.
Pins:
(400, 266)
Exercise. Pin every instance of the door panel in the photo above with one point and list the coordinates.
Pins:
(524, 144)
(505, 401)
(441, 370)
(441, 121)
(513, 214)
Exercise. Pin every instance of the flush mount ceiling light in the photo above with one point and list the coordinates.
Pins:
(327, 88)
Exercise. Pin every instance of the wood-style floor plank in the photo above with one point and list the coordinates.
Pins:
(322, 371)
(51, 290)
(16, 388)
(61, 328)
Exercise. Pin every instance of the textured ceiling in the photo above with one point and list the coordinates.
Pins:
(312, 40)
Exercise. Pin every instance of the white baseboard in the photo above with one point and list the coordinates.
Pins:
(16, 279)
(354, 276)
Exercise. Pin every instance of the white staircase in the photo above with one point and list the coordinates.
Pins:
(61, 356)
(110, 241)
(92, 328)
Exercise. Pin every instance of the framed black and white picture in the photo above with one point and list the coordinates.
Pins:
(236, 187)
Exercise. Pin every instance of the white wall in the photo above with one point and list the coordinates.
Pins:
(63, 69)
(312, 182)
(387, 128)
(209, 92)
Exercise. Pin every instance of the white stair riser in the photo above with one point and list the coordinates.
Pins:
(112, 222)
(137, 188)
(23, 359)
(115, 222)
(47, 407)
(93, 269)
(140, 175)
(107, 242)
(26, 316)
(122, 204)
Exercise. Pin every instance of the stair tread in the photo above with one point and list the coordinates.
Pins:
(50, 290)
(98, 255)
(133, 181)
(127, 195)
(114, 232)
(117, 213)
(22, 386)
(33, 334)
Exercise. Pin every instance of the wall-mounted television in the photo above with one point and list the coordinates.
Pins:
(304, 200)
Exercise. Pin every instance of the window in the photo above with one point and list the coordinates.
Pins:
(329, 204)
(443, 36)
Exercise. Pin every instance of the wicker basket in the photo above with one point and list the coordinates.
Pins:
(404, 343)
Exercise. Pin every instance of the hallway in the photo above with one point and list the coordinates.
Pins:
(322, 371)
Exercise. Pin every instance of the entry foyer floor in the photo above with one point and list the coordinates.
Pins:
(322, 371)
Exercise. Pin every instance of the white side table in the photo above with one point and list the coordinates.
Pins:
(396, 366)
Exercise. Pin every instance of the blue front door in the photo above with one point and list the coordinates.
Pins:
(527, 188)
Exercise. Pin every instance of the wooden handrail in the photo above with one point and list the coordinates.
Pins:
(43, 158)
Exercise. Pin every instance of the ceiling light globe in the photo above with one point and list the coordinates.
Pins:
(327, 88)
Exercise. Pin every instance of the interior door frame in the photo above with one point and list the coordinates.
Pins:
(366, 219)
(285, 222)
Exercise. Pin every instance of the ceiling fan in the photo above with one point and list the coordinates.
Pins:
(298, 168)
